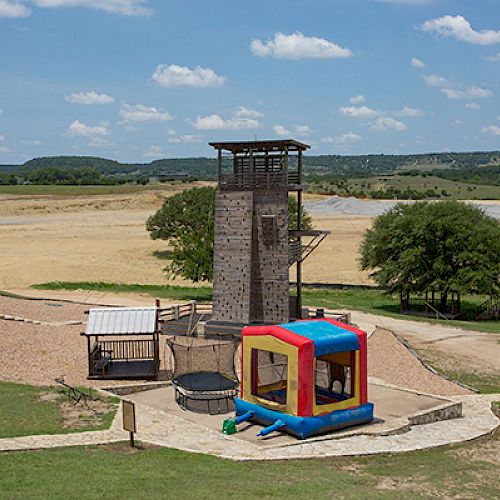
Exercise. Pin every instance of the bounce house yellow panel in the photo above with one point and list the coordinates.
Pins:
(287, 389)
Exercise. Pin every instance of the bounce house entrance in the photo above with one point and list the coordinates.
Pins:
(333, 378)
(271, 377)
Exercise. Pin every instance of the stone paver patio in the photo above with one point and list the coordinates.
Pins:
(165, 429)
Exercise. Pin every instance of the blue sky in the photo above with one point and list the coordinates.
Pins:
(136, 80)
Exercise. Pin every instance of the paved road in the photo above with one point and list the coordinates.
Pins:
(482, 347)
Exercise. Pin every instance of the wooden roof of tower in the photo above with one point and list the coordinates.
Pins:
(276, 145)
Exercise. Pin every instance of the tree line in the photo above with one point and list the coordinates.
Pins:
(471, 167)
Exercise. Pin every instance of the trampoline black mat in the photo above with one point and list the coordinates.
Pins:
(205, 381)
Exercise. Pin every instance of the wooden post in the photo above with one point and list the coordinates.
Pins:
(219, 163)
(251, 168)
(91, 371)
(299, 227)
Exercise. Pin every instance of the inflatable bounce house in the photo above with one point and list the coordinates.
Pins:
(305, 378)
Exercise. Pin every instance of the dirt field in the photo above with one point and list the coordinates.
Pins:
(103, 238)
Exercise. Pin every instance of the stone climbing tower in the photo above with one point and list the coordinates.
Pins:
(253, 247)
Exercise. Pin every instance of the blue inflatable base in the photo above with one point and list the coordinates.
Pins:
(304, 427)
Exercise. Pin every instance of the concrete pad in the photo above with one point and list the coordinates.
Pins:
(392, 407)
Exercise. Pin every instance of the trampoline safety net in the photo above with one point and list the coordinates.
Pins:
(204, 377)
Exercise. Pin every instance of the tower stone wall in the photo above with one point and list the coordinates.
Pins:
(251, 257)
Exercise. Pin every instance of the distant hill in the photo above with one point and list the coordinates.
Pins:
(387, 164)
(314, 166)
(8, 168)
(103, 165)
(199, 167)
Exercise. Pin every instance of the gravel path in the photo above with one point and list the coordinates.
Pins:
(336, 205)
(390, 361)
(43, 310)
(36, 354)
(483, 349)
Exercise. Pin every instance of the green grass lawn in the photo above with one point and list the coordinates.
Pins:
(377, 302)
(115, 471)
(456, 190)
(26, 410)
(461, 369)
(174, 292)
(371, 301)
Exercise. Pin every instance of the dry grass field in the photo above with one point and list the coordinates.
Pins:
(103, 238)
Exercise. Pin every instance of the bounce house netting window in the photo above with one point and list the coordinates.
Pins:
(333, 381)
(270, 372)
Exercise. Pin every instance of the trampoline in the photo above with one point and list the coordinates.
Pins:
(204, 379)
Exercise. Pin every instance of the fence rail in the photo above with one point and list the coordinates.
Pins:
(257, 179)
(196, 310)
(178, 311)
(128, 349)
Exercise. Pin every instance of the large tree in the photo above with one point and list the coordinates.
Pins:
(186, 221)
(448, 246)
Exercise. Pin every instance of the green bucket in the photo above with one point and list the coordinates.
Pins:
(229, 427)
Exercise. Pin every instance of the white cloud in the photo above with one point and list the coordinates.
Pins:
(1, 111)
(302, 130)
(141, 113)
(458, 122)
(79, 129)
(347, 138)
(469, 93)
(493, 58)
(472, 105)
(406, 111)
(4, 149)
(281, 131)
(357, 99)
(299, 130)
(492, 130)
(91, 97)
(2, 137)
(453, 90)
(13, 9)
(182, 76)
(243, 112)
(96, 134)
(185, 139)
(216, 122)
(298, 46)
(459, 28)
(154, 152)
(359, 112)
(417, 63)
(437, 81)
(125, 7)
(386, 123)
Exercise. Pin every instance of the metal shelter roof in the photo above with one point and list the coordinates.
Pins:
(271, 145)
(121, 320)
(326, 337)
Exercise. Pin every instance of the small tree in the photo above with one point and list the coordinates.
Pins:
(186, 221)
(448, 245)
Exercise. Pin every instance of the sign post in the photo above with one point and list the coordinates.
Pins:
(129, 422)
